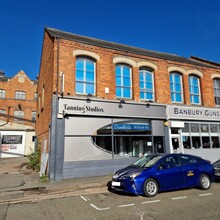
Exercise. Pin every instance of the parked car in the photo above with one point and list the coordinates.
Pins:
(156, 173)
(216, 165)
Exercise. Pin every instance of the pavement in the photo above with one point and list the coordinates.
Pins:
(19, 183)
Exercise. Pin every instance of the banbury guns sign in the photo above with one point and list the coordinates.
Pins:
(174, 112)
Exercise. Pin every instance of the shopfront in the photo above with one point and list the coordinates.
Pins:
(197, 131)
(107, 135)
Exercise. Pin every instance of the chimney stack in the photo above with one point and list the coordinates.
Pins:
(2, 74)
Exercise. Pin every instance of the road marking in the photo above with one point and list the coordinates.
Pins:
(181, 197)
(102, 196)
(206, 194)
(153, 201)
(84, 198)
(127, 205)
(99, 209)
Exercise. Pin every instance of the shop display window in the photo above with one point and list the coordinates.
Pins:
(128, 138)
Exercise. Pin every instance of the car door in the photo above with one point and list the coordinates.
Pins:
(190, 170)
(170, 174)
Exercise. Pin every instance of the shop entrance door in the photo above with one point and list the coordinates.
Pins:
(176, 144)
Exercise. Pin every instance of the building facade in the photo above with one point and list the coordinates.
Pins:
(17, 115)
(102, 104)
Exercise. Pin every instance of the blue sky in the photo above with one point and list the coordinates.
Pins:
(182, 27)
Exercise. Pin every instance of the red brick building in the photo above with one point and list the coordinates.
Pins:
(17, 114)
(99, 101)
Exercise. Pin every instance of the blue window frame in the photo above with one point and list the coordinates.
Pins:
(85, 76)
(146, 84)
(123, 81)
(176, 87)
(194, 89)
(217, 91)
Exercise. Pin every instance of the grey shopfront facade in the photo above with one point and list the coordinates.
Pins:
(196, 129)
(94, 137)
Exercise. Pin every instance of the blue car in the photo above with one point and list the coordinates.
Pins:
(156, 173)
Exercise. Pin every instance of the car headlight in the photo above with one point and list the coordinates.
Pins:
(133, 175)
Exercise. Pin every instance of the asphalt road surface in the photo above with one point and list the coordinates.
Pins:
(184, 204)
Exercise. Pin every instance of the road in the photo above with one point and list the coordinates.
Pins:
(185, 204)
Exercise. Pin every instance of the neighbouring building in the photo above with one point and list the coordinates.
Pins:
(17, 115)
(102, 104)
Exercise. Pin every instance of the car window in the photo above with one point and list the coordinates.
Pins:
(172, 161)
(147, 161)
(169, 162)
(186, 159)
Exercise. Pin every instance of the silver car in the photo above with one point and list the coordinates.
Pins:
(216, 165)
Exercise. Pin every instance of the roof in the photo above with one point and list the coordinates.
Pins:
(215, 64)
(116, 46)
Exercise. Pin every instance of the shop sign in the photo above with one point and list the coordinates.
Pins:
(12, 139)
(82, 108)
(176, 112)
(102, 108)
(131, 127)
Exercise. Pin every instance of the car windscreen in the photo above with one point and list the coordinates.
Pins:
(147, 161)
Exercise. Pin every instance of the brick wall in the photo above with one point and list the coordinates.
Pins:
(105, 76)
(46, 88)
(20, 82)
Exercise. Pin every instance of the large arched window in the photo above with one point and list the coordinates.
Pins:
(85, 76)
(176, 90)
(146, 84)
(194, 87)
(216, 83)
(123, 81)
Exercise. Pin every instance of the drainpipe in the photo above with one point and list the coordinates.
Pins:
(56, 111)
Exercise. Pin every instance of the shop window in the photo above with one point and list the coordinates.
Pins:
(146, 84)
(206, 142)
(194, 128)
(216, 83)
(174, 130)
(158, 143)
(214, 128)
(194, 86)
(204, 128)
(176, 87)
(123, 81)
(186, 128)
(127, 138)
(186, 142)
(85, 76)
(196, 143)
(215, 142)
(20, 95)
(2, 93)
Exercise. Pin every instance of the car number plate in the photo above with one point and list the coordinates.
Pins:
(116, 183)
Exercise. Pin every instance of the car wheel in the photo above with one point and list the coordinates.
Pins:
(204, 182)
(150, 187)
